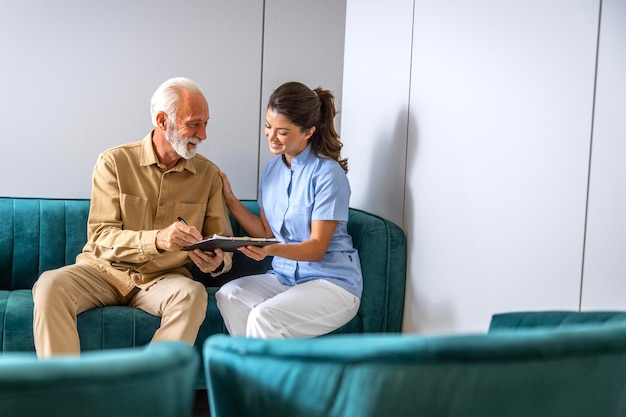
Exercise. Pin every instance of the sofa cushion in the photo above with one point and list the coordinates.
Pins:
(4, 297)
(17, 331)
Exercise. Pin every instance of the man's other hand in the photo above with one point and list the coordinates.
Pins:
(207, 261)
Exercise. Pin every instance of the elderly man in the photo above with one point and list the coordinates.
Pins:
(149, 199)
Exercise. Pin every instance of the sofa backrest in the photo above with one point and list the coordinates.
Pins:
(38, 234)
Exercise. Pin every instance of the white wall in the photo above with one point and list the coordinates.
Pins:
(501, 111)
(233, 44)
(604, 286)
(304, 41)
(376, 85)
(77, 77)
(500, 134)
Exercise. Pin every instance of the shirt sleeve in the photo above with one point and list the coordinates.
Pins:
(332, 194)
(216, 220)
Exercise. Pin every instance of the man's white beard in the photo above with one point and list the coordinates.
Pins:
(179, 143)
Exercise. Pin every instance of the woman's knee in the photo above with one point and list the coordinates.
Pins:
(264, 322)
(225, 294)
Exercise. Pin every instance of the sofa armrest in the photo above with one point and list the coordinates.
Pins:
(382, 250)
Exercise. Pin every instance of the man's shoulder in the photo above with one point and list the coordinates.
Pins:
(128, 151)
(124, 147)
(203, 162)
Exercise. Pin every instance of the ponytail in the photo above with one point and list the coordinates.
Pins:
(325, 140)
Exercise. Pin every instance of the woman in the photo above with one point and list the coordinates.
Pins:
(315, 283)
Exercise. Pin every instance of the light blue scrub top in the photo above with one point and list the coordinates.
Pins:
(313, 188)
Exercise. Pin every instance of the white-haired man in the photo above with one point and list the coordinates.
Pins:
(140, 193)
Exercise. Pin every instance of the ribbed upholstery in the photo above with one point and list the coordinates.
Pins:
(37, 235)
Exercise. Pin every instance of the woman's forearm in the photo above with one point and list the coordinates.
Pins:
(252, 224)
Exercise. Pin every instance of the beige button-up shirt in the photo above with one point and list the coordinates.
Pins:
(133, 196)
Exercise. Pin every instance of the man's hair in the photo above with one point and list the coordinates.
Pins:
(165, 98)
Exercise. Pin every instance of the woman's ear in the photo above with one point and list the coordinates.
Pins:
(309, 132)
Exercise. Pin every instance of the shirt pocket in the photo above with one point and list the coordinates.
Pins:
(297, 226)
(133, 211)
(193, 213)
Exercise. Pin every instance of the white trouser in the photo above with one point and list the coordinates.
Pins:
(260, 306)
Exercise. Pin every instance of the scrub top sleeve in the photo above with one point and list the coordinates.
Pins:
(332, 196)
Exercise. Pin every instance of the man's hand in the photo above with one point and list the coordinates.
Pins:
(176, 236)
(207, 261)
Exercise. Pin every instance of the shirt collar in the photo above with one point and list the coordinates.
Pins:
(149, 157)
(301, 158)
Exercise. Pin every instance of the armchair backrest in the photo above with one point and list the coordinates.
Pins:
(155, 380)
(578, 371)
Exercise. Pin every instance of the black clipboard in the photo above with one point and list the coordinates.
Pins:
(229, 243)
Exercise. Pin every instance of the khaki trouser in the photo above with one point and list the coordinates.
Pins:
(61, 294)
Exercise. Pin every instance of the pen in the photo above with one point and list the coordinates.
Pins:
(180, 219)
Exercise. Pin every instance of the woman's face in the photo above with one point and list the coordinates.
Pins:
(284, 137)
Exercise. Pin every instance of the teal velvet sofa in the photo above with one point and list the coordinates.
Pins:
(539, 364)
(157, 380)
(41, 234)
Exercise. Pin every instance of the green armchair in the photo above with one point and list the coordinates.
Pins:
(544, 364)
(155, 381)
